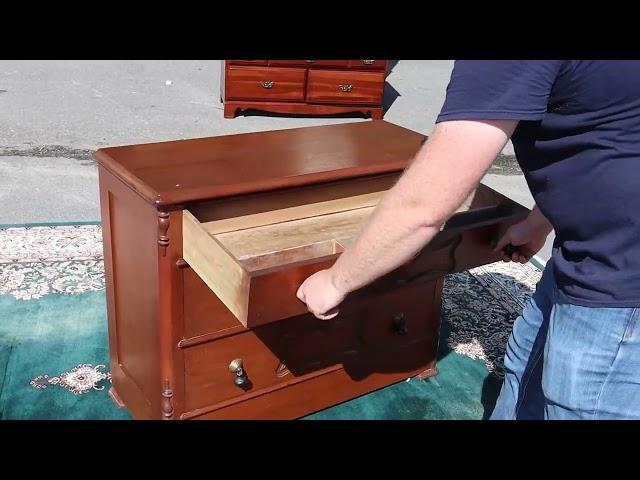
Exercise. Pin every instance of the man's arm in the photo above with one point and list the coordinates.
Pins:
(442, 175)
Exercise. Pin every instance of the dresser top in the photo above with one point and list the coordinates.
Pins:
(184, 171)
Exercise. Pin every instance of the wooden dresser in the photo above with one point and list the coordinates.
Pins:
(207, 240)
(321, 87)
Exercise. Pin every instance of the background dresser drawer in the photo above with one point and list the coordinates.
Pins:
(368, 64)
(253, 83)
(240, 90)
(328, 86)
(247, 62)
(310, 63)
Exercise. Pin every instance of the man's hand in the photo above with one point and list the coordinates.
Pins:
(527, 236)
(321, 295)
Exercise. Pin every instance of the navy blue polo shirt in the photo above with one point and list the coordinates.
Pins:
(578, 144)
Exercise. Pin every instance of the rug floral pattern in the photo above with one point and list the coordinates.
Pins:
(479, 306)
(81, 379)
(37, 261)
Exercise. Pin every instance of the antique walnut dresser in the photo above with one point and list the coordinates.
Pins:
(207, 240)
(320, 87)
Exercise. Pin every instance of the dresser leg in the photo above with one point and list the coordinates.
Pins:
(376, 113)
(229, 111)
(116, 398)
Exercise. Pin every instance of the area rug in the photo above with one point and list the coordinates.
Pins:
(54, 350)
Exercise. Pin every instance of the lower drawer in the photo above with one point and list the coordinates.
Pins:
(265, 83)
(276, 354)
(335, 86)
(296, 399)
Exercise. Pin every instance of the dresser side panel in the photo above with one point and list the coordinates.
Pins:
(130, 235)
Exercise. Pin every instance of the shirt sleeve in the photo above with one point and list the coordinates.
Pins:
(499, 90)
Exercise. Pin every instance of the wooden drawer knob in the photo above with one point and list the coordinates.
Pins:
(399, 324)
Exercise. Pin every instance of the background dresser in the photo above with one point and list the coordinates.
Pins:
(303, 86)
(207, 240)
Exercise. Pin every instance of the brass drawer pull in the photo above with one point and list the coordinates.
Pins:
(240, 378)
(368, 62)
(346, 88)
(267, 84)
(309, 61)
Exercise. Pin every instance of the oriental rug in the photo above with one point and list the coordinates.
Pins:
(54, 349)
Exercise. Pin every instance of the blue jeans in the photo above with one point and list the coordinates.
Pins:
(568, 362)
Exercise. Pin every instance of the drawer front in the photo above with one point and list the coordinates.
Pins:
(304, 346)
(205, 315)
(247, 62)
(368, 64)
(208, 379)
(327, 86)
(249, 83)
(307, 396)
(310, 63)
(402, 316)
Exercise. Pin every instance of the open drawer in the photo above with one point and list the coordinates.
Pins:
(256, 261)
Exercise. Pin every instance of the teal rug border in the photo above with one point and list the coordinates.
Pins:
(538, 262)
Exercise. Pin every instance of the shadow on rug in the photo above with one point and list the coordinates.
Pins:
(54, 349)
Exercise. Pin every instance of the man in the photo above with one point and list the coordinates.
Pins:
(574, 353)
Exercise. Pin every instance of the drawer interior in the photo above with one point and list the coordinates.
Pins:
(248, 259)
(295, 240)
(265, 258)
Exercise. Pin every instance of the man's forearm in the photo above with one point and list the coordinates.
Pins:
(443, 174)
(387, 241)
